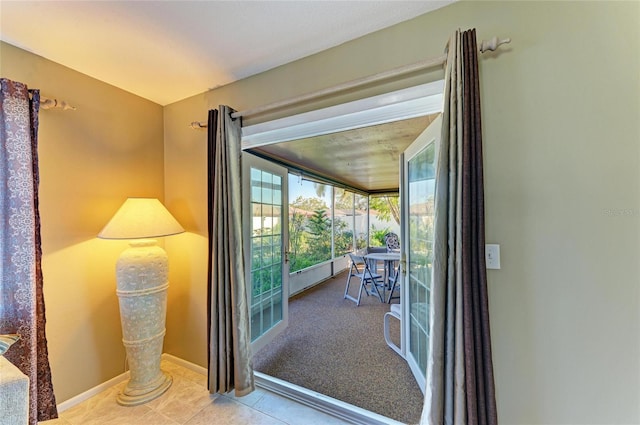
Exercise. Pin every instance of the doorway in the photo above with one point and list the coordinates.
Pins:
(301, 142)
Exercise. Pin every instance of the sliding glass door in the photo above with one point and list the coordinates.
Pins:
(417, 200)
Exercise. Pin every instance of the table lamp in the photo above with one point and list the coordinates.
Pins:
(142, 282)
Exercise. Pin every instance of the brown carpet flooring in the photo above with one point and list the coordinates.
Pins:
(337, 349)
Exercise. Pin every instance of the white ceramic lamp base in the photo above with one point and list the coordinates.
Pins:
(142, 276)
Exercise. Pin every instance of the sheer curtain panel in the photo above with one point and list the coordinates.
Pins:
(460, 386)
(230, 365)
(22, 301)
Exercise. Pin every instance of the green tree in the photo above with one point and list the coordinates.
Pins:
(320, 229)
(387, 207)
(297, 224)
(309, 204)
(342, 238)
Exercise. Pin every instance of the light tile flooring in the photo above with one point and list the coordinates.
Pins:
(188, 402)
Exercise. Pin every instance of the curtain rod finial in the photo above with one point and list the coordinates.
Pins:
(46, 103)
(493, 44)
(197, 125)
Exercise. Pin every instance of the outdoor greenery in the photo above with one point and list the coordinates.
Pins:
(310, 225)
(309, 233)
(377, 236)
(388, 207)
(266, 260)
(343, 221)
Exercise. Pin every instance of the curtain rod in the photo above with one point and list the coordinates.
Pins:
(485, 45)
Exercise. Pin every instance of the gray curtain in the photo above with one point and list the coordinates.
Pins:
(460, 386)
(230, 365)
(21, 297)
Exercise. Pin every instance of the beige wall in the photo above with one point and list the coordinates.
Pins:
(562, 154)
(91, 159)
(562, 157)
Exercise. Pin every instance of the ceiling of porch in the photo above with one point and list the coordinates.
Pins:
(365, 158)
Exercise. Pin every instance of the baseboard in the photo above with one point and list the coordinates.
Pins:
(185, 364)
(73, 401)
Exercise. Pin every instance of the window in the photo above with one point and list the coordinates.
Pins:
(384, 217)
(310, 223)
(342, 222)
(361, 221)
(266, 251)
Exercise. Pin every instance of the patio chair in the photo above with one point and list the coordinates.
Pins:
(392, 242)
(361, 270)
(396, 312)
(394, 283)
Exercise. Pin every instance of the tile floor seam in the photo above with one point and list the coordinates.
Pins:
(258, 400)
(162, 415)
(255, 402)
(286, 422)
(265, 413)
(198, 411)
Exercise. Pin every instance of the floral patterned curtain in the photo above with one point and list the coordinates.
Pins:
(22, 301)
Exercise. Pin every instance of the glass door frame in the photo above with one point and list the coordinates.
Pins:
(250, 162)
(430, 136)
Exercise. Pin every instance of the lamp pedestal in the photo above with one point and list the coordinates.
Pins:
(142, 278)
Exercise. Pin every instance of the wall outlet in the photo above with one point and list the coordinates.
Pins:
(492, 256)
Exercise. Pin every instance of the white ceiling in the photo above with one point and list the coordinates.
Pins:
(166, 51)
(364, 158)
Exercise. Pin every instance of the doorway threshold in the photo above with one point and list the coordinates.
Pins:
(325, 404)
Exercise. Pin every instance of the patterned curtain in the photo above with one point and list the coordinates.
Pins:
(230, 365)
(22, 308)
(460, 387)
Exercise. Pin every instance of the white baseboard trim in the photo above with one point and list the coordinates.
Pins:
(185, 364)
(73, 401)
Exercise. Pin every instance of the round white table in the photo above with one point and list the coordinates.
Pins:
(389, 258)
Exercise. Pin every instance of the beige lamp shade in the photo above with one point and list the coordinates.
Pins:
(140, 218)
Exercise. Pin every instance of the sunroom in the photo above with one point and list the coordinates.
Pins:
(322, 184)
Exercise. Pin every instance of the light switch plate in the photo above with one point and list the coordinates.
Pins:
(492, 256)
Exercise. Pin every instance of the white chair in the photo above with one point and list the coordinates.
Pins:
(396, 311)
(394, 283)
(392, 242)
(361, 270)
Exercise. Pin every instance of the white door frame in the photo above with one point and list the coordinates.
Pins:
(248, 162)
(430, 136)
(408, 103)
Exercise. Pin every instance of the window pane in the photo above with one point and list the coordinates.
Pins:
(384, 217)
(361, 216)
(420, 205)
(343, 221)
(309, 223)
(266, 251)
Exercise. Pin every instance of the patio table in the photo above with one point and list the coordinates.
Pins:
(389, 258)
